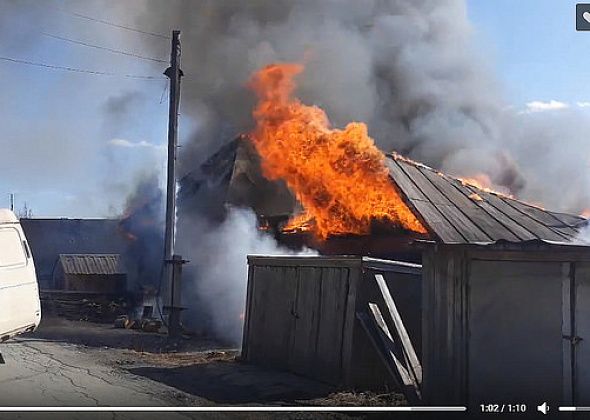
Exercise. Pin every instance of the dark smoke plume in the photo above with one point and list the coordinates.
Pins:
(405, 67)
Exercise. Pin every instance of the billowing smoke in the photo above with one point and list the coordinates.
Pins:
(406, 67)
(215, 278)
(142, 224)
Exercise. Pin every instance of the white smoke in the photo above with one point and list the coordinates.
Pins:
(583, 237)
(215, 280)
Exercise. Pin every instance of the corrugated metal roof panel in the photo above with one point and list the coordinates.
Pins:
(105, 264)
(477, 216)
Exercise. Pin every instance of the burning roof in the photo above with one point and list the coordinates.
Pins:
(338, 175)
(456, 212)
(343, 182)
(451, 210)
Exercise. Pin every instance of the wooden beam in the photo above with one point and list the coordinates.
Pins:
(408, 349)
(394, 366)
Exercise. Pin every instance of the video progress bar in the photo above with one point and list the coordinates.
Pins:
(227, 409)
(574, 408)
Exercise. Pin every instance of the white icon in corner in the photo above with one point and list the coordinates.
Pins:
(543, 408)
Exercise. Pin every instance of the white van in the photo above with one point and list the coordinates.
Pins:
(20, 308)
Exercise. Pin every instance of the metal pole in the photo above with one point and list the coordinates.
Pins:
(174, 73)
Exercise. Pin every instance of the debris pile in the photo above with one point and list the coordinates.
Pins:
(91, 307)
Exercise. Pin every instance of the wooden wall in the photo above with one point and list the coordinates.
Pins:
(494, 318)
(300, 316)
(97, 283)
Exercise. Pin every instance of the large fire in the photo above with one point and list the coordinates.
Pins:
(339, 176)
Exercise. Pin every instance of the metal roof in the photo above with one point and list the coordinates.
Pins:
(105, 264)
(460, 213)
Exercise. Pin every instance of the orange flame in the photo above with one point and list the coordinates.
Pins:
(339, 176)
(484, 183)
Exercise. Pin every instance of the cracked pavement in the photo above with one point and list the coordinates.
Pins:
(46, 373)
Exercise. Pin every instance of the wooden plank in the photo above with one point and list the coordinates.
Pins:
(483, 220)
(272, 321)
(414, 363)
(469, 230)
(522, 233)
(566, 331)
(568, 219)
(438, 223)
(354, 277)
(463, 224)
(544, 218)
(532, 225)
(306, 312)
(333, 307)
(581, 329)
(403, 181)
(406, 374)
(436, 210)
(424, 185)
(383, 342)
(427, 321)
(394, 366)
(531, 256)
(247, 313)
(304, 261)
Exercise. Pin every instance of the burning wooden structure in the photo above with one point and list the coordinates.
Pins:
(501, 301)
(301, 315)
(451, 210)
(485, 257)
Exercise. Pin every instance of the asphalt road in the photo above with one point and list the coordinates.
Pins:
(48, 373)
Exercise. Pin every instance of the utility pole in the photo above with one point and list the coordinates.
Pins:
(11, 201)
(172, 263)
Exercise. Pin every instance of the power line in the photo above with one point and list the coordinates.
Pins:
(77, 70)
(85, 44)
(105, 22)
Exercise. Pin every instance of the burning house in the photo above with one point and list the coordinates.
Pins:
(493, 297)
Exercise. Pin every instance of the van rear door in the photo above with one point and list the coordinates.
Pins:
(19, 293)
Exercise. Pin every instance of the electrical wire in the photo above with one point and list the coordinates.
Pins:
(112, 50)
(77, 70)
(105, 22)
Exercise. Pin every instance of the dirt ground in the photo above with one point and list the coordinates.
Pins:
(84, 364)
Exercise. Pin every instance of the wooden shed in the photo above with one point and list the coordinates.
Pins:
(504, 298)
(96, 273)
(506, 322)
(301, 315)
